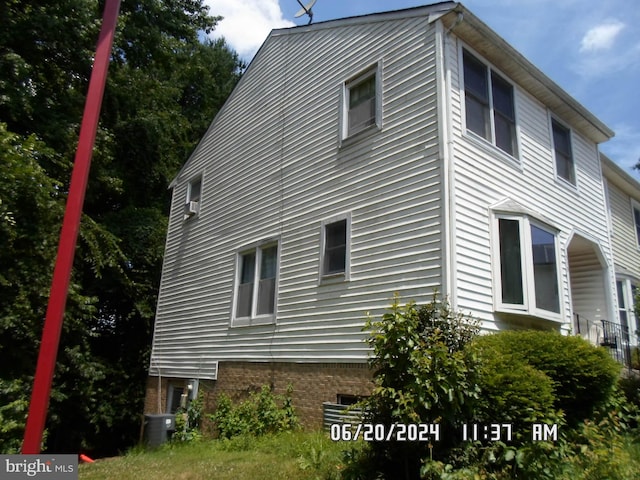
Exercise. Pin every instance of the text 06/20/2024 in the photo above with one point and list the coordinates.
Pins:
(430, 432)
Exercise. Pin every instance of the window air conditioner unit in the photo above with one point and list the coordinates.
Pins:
(191, 208)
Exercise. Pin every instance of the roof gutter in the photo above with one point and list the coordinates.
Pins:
(524, 73)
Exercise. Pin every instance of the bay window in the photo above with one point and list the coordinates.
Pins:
(527, 275)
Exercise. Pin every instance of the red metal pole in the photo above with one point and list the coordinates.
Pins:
(68, 236)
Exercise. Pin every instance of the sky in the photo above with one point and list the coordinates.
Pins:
(591, 48)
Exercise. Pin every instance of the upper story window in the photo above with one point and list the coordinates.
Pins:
(565, 168)
(489, 104)
(361, 108)
(194, 191)
(528, 270)
(255, 295)
(335, 246)
(636, 221)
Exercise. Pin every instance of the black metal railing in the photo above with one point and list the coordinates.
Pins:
(613, 336)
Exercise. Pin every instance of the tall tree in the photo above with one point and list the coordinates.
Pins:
(166, 82)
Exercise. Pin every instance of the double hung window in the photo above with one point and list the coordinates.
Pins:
(335, 243)
(335, 248)
(361, 103)
(489, 105)
(255, 297)
(636, 221)
(627, 295)
(527, 277)
(562, 151)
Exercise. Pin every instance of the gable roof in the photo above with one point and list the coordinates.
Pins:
(471, 30)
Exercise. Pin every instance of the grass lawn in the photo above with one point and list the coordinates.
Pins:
(305, 456)
(288, 456)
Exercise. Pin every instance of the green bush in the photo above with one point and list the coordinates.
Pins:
(263, 412)
(583, 376)
(512, 391)
(430, 366)
(422, 374)
(600, 452)
(188, 421)
(630, 386)
(421, 371)
(635, 358)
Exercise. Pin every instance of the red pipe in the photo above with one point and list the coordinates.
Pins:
(68, 236)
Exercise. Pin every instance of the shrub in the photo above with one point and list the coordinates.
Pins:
(635, 358)
(601, 453)
(421, 371)
(630, 386)
(263, 412)
(583, 376)
(188, 421)
(422, 374)
(512, 391)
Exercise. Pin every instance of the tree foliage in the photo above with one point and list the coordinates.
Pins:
(165, 84)
(431, 366)
(422, 374)
(262, 413)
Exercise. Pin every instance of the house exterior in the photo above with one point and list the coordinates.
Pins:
(623, 194)
(408, 151)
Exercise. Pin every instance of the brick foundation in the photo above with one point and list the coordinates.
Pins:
(313, 384)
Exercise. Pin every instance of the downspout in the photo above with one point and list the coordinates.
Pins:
(611, 293)
(443, 74)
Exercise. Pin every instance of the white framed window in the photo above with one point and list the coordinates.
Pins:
(627, 292)
(527, 270)
(194, 193)
(362, 102)
(562, 152)
(255, 295)
(335, 246)
(635, 210)
(489, 104)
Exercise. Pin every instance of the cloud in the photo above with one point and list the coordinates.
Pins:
(247, 23)
(624, 148)
(621, 62)
(601, 37)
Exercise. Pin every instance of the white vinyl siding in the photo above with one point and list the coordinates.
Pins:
(280, 171)
(484, 177)
(624, 235)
